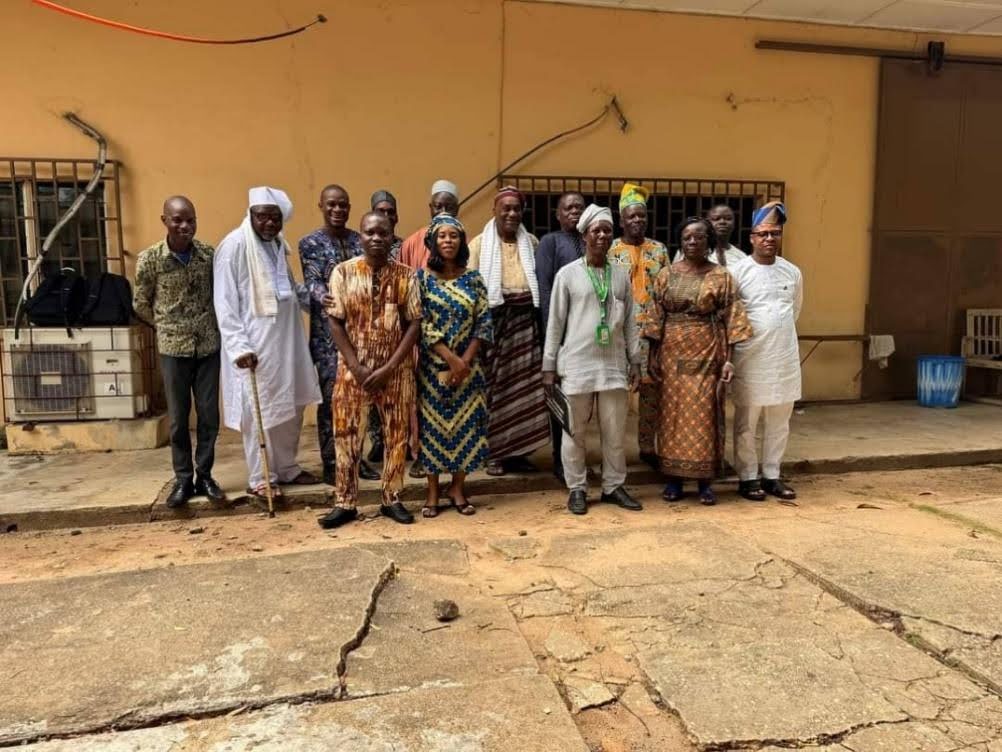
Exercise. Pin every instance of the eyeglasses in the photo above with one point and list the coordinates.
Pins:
(768, 234)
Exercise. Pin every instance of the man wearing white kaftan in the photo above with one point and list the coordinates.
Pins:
(258, 305)
(767, 378)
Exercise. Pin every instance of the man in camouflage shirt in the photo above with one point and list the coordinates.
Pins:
(174, 293)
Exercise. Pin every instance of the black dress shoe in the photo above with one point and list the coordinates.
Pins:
(375, 454)
(777, 488)
(206, 486)
(577, 502)
(338, 517)
(621, 497)
(183, 490)
(397, 512)
(751, 490)
(650, 459)
(367, 471)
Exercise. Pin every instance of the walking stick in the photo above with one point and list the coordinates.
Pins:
(262, 442)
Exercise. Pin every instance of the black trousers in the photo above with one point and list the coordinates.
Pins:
(325, 416)
(184, 377)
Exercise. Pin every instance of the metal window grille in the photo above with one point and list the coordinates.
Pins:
(33, 194)
(671, 200)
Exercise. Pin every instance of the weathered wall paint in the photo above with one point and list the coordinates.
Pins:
(397, 93)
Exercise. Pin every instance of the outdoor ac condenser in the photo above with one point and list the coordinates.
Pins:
(95, 374)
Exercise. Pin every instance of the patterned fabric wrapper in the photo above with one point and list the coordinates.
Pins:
(519, 420)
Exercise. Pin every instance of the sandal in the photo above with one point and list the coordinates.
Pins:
(495, 468)
(261, 492)
(428, 511)
(465, 509)
(706, 497)
(673, 491)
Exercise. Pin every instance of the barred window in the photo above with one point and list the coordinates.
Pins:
(671, 201)
(34, 193)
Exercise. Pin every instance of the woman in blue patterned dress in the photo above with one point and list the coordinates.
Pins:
(452, 400)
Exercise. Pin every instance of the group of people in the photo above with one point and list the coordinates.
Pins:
(464, 353)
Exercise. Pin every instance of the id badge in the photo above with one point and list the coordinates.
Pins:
(602, 335)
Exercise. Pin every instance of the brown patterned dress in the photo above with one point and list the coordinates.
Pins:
(695, 318)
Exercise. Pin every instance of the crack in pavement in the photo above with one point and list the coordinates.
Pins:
(882, 616)
(385, 577)
(141, 719)
(821, 739)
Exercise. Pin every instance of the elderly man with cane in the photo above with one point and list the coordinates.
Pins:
(258, 306)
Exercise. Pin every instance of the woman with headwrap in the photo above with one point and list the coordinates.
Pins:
(505, 255)
(693, 325)
(452, 402)
(644, 258)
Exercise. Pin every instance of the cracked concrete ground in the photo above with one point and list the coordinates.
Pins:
(861, 620)
(747, 651)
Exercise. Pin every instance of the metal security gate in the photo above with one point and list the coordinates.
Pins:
(671, 201)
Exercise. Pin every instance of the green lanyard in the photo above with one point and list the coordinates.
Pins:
(602, 335)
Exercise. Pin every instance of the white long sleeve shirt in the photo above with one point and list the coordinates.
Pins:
(767, 366)
(583, 365)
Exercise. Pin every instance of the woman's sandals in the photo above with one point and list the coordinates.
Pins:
(465, 509)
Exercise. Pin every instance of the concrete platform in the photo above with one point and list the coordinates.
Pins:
(88, 436)
(751, 652)
(75, 490)
(187, 640)
(523, 714)
(942, 592)
(337, 649)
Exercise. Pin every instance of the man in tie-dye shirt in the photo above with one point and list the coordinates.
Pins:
(375, 319)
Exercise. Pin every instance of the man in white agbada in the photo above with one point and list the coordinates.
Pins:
(593, 347)
(767, 366)
(258, 306)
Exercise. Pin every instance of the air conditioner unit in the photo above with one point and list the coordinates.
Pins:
(95, 374)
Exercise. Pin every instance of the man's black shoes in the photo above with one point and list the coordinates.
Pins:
(367, 471)
(338, 517)
(182, 491)
(397, 512)
(375, 455)
(751, 490)
(623, 499)
(206, 486)
(577, 502)
(777, 488)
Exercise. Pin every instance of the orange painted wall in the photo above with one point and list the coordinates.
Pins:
(398, 93)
